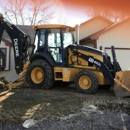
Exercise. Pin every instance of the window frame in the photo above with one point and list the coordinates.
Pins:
(7, 58)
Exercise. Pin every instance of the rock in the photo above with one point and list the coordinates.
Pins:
(68, 117)
(28, 123)
(48, 104)
(101, 112)
(92, 107)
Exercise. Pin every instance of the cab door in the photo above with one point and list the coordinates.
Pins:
(55, 45)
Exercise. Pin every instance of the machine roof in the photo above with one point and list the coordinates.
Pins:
(53, 26)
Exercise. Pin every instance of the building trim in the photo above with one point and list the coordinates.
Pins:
(117, 48)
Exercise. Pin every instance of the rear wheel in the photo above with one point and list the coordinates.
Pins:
(40, 74)
(86, 82)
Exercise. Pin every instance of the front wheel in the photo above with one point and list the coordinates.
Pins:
(40, 74)
(86, 82)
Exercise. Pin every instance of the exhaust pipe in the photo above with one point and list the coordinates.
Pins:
(115, 62)
(77, 33)
(1, 18)
(1, 28)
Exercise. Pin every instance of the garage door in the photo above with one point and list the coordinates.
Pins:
(123, 57)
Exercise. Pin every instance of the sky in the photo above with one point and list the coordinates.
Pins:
(111, 4)
(70, 14)
(75, 9)
(75, 15)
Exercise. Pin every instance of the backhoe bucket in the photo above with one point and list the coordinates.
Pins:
(122, 84)
(3, 82)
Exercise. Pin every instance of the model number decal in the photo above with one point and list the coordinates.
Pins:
(94, 61)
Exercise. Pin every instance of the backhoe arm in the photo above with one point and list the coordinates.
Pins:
(20, 42)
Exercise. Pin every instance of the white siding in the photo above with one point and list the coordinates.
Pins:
(123, 57)
(120, 38)
(11, 73)
(88, 28)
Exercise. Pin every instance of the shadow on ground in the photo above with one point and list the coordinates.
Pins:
(23, 103)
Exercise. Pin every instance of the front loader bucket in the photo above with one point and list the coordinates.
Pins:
(122, 84)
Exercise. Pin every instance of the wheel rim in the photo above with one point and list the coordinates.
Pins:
(85, 82)
(37, 75)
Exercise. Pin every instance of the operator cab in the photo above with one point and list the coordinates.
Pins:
(54, 40)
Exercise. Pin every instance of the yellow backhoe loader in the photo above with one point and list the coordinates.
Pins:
(57, 59)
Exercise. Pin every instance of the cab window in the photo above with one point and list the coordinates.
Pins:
(68, 39)
(54, 44)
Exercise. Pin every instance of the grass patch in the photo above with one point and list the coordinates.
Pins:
(23, 103)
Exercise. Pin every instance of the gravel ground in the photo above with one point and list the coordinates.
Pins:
(63, 109)
(87, 119)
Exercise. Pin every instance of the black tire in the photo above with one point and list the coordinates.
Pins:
(86, 82)
(46, 79)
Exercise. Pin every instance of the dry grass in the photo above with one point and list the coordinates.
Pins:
(23, 103)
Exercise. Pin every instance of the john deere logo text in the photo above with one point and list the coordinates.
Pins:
(16, 47)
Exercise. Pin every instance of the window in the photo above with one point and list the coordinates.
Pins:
(68, 39)
(54, 39)
(51, 40)
(54, 44)
(42, 37)
(36, 42)
(4, 58)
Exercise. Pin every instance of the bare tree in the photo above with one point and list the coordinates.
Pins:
(112, 15)
(61, 18)
(117, 16)
(23, 12)
(13, 9)
(39, 12)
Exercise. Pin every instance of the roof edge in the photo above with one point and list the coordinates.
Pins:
(97, 17)
(97, 34)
